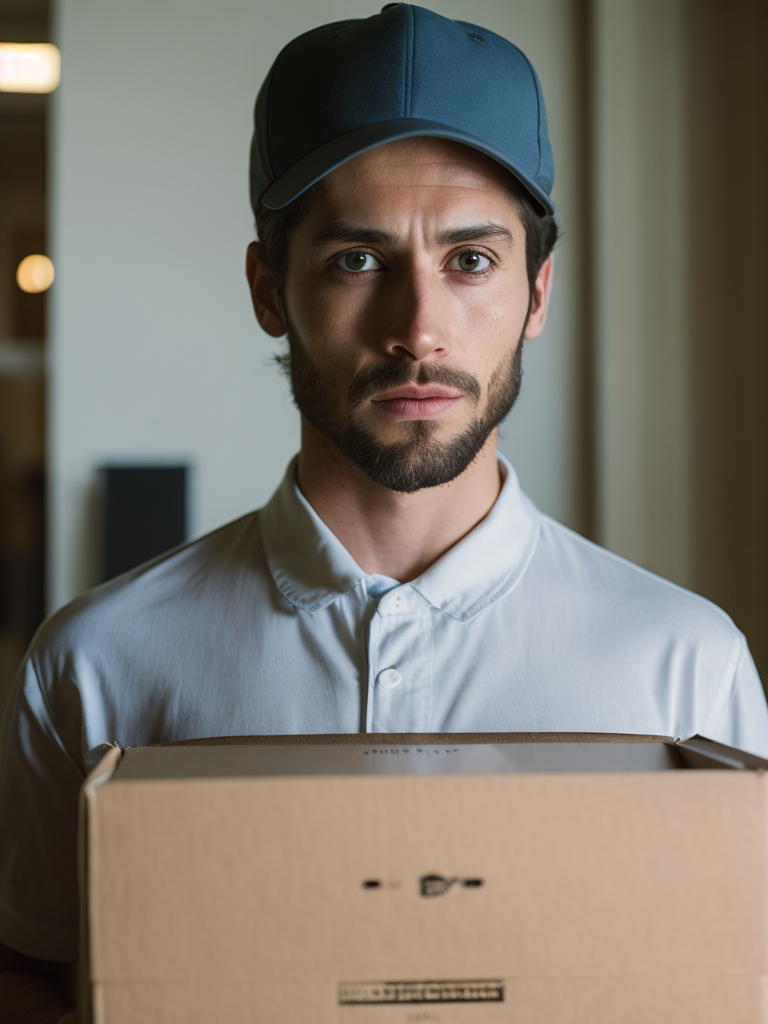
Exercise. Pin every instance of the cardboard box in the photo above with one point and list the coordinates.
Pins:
(427, 879)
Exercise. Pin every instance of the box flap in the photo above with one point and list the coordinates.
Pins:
(350, 738)
(431, 753)
(236, 761)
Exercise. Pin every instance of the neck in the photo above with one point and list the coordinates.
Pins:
(388, 533)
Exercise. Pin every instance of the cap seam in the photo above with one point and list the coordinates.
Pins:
(270, 161)
(538, 107)
(407, 98)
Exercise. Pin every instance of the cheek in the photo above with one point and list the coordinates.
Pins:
(328, 320)
(492, 322)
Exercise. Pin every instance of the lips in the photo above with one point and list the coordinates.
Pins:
(417, 393)
(417, 403)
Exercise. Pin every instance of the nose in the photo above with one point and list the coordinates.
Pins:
(417, 318)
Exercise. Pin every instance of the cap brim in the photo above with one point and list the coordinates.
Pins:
(297, 179)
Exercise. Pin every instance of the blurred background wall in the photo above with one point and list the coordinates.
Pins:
(680, 360)
(642, 422)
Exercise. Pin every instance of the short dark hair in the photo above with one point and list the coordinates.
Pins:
(274, 227)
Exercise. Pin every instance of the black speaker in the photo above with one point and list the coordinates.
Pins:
(144, 513)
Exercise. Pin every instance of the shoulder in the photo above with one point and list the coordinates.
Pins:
(187, 582)
(628, 595)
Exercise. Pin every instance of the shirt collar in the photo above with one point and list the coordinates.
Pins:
(312, 569)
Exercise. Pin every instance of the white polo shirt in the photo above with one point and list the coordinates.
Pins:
(268, 626)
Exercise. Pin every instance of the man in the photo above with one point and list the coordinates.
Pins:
(398, 581)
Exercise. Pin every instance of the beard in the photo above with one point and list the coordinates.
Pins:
(418, 460)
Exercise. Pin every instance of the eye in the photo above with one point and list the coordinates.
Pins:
(471, 262)
(356, 262)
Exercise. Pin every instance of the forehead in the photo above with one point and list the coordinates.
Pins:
(431, 173)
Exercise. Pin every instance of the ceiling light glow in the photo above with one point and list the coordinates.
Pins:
(35, 274)
(29, 67)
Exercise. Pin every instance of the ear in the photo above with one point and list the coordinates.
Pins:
(542, 290)
(264, 294)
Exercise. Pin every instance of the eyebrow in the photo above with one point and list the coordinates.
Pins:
(473, 233)
(341, 231)
(344, 232)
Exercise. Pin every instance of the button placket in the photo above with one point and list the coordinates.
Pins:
(400, 649)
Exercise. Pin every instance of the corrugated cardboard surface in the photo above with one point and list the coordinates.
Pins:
(528, 1001)
(606, 896)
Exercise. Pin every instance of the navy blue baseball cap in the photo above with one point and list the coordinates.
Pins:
(344, 88)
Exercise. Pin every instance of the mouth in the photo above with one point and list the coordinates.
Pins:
(417, 402)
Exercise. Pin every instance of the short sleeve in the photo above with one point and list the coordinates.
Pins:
(39, 788)
(740, 717)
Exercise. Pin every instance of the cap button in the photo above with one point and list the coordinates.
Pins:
(387, 6)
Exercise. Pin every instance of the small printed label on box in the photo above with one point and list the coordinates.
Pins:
(419, 1002)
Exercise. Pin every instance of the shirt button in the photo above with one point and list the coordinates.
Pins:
(390, 678)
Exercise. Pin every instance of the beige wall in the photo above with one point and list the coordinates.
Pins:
(681, 357)
(728, 168)
(641, 357)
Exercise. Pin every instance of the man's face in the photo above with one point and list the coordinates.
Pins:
(406, 302)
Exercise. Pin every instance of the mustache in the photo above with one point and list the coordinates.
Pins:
(375, 379)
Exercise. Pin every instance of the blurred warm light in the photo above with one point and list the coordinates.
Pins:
(29, 67)
(35, 273)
